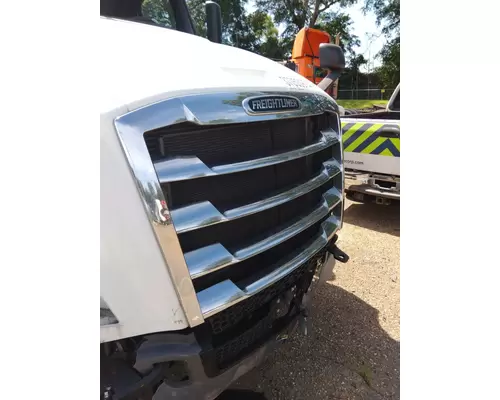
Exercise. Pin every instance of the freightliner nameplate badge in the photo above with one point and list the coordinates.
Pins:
(270, 104)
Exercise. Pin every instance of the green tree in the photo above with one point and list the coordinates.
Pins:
(389, 71)
(339, 23)
(159, 11)
(233, 15)
(357, 61)
(255, 32)
(294, 15)
(387, 13)
(388, 16)
(262, 36)
(351, 77)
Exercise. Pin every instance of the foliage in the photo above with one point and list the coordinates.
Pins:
(258, 31)
(264, 36)
(254, 32)
(338, 23)
(352, 78)
(356, 62)
(388, 16)
(389, 71)
(294, 15)
(387, 13)
(158, 11)
(233, 11)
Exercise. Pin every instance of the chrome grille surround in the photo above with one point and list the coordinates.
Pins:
(211, 110)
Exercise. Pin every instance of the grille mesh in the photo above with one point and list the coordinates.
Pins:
(228, 318)
(249, 339)
(235, 142)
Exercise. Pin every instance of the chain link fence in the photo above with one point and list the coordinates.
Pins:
(364, 94)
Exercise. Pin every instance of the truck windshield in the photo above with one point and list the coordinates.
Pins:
(172, 14)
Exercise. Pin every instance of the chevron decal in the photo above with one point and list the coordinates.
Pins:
(364, 137)
(387, 148)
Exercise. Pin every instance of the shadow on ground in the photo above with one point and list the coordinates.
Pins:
(347, 355)
(384, 219)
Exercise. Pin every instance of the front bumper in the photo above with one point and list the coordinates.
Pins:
(158, 352)
(367, 194)
(369, 187)
(208, 388)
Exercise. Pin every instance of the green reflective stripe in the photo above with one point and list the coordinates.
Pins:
(386, 152)
(365, 135)
(354, 128)
(395, 142)
(372, 146)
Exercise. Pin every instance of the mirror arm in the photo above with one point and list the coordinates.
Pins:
(329, 80)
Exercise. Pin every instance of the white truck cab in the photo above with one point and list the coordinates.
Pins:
(221, 196)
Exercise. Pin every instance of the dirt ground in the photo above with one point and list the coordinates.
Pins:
(353, 349)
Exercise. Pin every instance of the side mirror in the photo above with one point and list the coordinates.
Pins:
(332, 58)
(214, 21)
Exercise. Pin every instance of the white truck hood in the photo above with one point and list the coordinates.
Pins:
(141, 64)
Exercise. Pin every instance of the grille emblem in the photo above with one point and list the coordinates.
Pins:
(270, 104)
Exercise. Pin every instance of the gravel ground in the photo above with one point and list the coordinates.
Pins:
(353, 349)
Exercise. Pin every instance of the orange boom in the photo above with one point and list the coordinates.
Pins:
(305, 53)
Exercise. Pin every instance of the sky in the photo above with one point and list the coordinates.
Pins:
(365, 27)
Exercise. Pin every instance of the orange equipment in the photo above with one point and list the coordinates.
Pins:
(305, 53)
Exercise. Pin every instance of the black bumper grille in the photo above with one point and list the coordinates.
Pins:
(231, 316)
(241, 329)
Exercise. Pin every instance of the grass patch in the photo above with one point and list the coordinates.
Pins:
(360, 104)
(366, 373)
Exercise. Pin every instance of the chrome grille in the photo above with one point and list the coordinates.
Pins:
(245, 228)
(251, 198)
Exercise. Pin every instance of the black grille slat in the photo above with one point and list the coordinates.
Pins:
(224, 191)
(258, 265)
(229, 143)
(291, 173)
(237, 233)
(234, 190)
(289, 134)
(222, 145)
